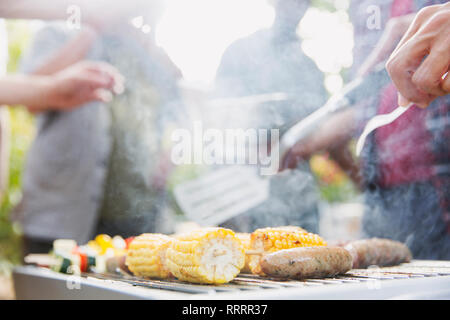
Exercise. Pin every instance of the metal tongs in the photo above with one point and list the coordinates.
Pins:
(379, 121)
(356, 91)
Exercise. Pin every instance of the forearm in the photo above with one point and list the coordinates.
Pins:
(65, 90)
(72, 52)
(334, 137)
(334, 132)
(97, 13)
(344, 158)
(31, 91)
(38, 9)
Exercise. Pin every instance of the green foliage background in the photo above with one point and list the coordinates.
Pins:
(21, 135)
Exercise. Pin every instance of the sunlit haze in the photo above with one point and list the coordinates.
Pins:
(195, 34)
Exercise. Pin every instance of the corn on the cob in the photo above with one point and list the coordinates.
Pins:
(292, 228)
(267, 240)
(245, 240)
(146, 256)
(209, 255)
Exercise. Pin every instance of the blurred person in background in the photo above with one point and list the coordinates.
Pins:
(405, 165)
(272, 61)
(65, 90)
(97, 169)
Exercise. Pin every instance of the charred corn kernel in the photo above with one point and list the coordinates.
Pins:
(209, 255)
(146, 256)
(245, 240)
(267, 240)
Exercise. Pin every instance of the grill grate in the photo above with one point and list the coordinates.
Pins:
(415, 269)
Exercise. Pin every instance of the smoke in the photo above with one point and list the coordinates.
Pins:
(404, 194)
(134, 203)
(408, 213)
(268, 83)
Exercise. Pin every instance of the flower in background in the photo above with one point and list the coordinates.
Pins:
(334, 183)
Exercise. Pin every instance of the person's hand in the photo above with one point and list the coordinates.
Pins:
(333, 134)
(419, 65)
(81, 83)
(299, 152)
(393, 32)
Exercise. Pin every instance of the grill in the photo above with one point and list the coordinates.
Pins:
(419, 279)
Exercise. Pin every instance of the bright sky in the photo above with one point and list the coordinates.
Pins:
(195, 34)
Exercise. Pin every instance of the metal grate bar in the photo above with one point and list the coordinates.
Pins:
(245, 282)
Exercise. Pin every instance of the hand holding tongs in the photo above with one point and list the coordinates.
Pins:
(379, 121)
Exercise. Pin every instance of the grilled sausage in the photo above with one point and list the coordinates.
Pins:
(380, 252)
(307, 262)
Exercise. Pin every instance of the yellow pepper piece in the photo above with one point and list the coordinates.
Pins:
(104, 241)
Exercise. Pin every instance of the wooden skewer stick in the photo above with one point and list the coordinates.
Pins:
(41, 259)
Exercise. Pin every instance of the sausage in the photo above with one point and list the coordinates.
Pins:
(307, 262)
(380, 252)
